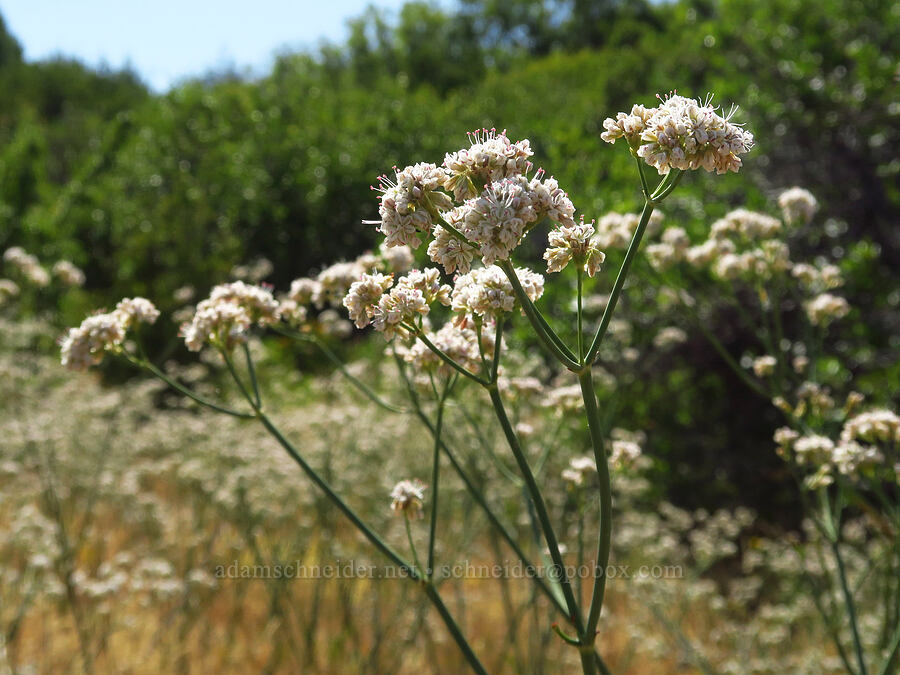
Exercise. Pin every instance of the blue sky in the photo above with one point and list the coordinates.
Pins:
(167, 40)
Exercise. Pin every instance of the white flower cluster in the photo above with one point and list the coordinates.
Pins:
(673, 248)
(460, 344)
(825, 308)
(491, 157)
(487, 292)
(331, 285)
(68, 273)
(614, 230)
(407, 202)
(377, 300)
(764, 366)
(579, 469)
(8, 289)
(493, 205)
(798, 205)
(86, 345)
(27, 265)
(817, 279)
(407, 497)
(224, 319)
(857, 451)
(681, 133)
(574, 242)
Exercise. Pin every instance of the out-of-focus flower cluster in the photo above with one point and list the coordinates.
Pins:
(866, 446)
(480, 201)
(750, 246)
(224, 319)
(28, 269)
(86, 345)
(681, 133)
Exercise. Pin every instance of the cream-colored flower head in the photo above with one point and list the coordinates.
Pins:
(68, 273)
(491, 157)
(798, 205)
(575, 242)
(364, 294)
(460, 344)
(87, 344)
(681, 133)
(224, 319)
(407, 498)
(826, 308)
(486, 291)
(406, 202)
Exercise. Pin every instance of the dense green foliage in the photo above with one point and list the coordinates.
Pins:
(151, 192)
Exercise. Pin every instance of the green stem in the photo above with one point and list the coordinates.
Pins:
(187, 392)
(604, 538)
(376, 541)
(540, 507)
(446, 359)
(412, 547)
(331, 356)
(545, 333)
(580, 320)
(252, 370)
(851, 607)
(435, 477)
(620, 282)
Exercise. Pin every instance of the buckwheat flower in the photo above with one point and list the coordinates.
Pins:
(291, 312)
(669, 337)
(8, 289)
(825, 308)
(551, 201)
(689, 134)
(219, 323)
(184, 294)
(784, 437)
(875, 426)
(573, 242)
(87, 344)
(799, 363)
(136, 310)
(36, 274)
(491, 157)
(334, 281)
(407, 497)
(428, 282)
(851, 458)
(797, 205)
(409, 299)
(364, 294)
(564, 399)
(460, 344)
(406, 203)
(579, 468)
(450, 252)
(764, 366)
(486, 291)
(334, 325)
(624, 454)
(68, 273)
(398, 258)
(813, 449)
(303, 291)
(662, 256)
(497, 219)
(629, 126)
(224, 319)
(749, 224)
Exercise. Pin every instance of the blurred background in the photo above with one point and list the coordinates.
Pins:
(160, 149)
